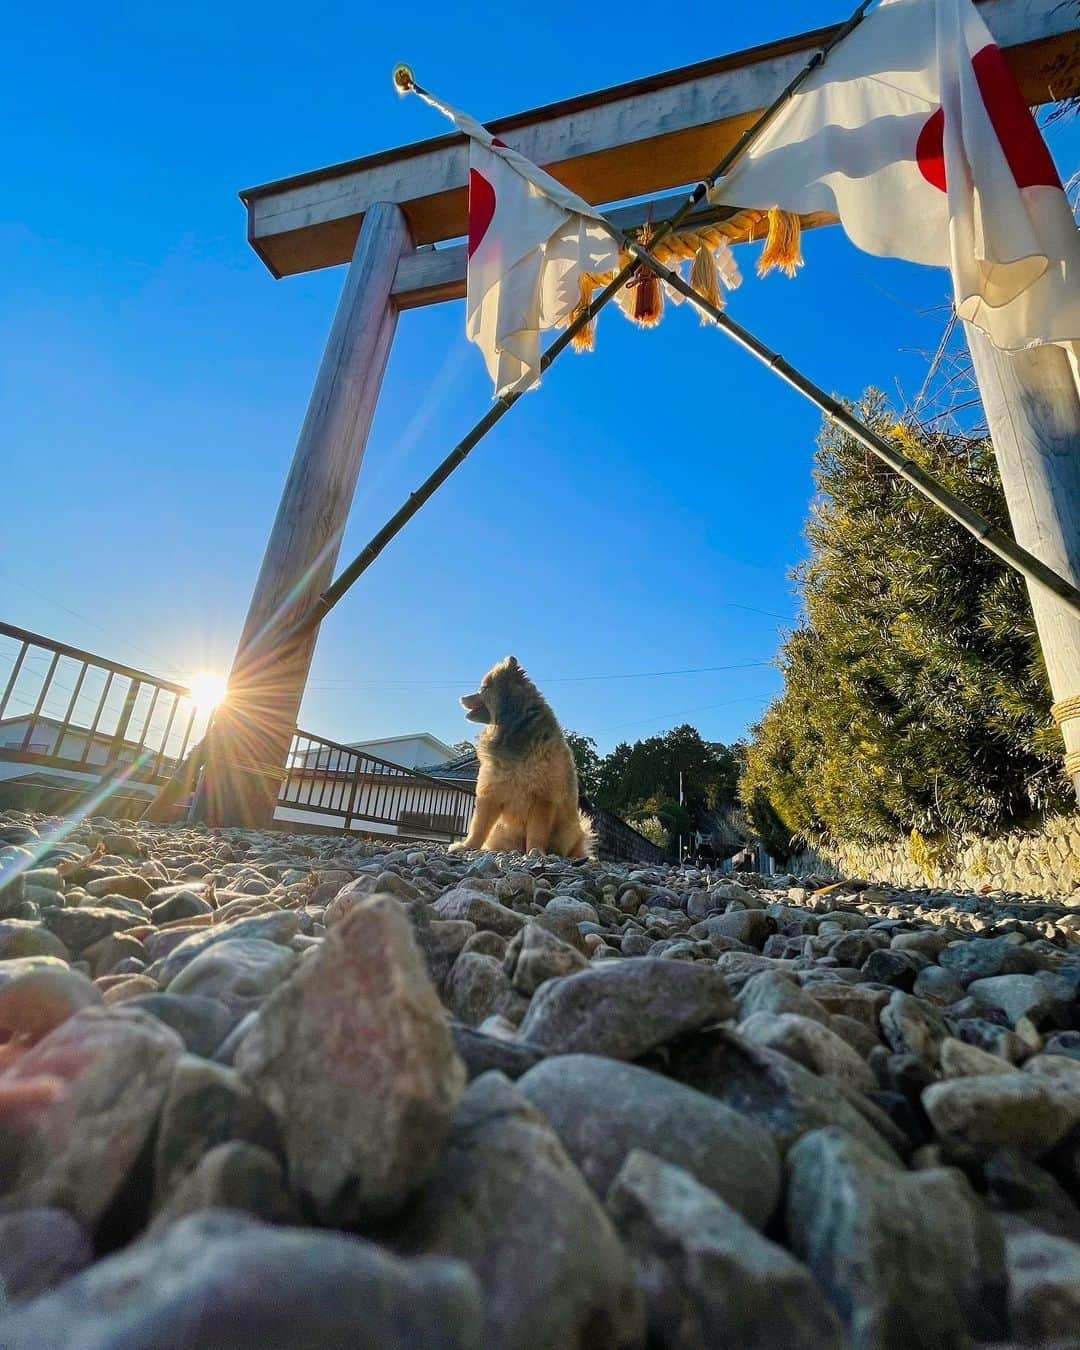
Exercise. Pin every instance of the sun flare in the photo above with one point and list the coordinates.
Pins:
(207, 689)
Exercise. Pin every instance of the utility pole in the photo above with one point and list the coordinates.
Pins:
(1032, 405)
(680, 803)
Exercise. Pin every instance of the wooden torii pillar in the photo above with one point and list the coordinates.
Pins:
(394, 218)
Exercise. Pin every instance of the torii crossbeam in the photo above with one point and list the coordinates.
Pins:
(387, 214)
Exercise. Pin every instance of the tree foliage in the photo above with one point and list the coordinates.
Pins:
(583, 748)
(915, 695)
(640, 782)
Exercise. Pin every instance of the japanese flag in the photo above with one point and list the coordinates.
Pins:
(916, 135)
(530, 241)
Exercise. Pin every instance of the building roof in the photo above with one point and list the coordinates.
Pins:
(462, 767)
(438, 746)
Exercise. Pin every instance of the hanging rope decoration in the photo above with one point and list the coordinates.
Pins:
(783, 244)
(713, 268)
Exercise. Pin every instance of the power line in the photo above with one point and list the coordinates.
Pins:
(331, 685)
(686, 712)
(155, 656)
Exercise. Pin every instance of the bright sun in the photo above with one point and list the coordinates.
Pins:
(207, 689)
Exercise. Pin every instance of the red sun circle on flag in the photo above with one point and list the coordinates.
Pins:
(481, 209)
(1023, 145)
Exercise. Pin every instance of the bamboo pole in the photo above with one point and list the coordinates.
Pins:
(995, 540)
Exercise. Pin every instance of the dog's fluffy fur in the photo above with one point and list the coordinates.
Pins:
(527, 789)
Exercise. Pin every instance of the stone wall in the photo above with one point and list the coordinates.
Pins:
(1045, 861)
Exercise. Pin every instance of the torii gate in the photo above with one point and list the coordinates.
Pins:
(386, 216)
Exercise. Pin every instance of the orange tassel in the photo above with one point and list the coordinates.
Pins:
(782, 245)
(584, 339)
(648, 297)
(704, 279)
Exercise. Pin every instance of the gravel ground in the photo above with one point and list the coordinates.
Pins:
(276, 1090)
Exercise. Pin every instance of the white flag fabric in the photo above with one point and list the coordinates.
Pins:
(915, 133)
(530, 241)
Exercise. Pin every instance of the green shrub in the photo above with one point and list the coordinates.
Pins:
(915, 696)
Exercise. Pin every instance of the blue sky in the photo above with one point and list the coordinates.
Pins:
(154, 376)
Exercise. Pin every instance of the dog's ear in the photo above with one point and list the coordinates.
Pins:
(513, 666)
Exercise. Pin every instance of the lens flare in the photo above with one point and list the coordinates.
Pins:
(207, 689)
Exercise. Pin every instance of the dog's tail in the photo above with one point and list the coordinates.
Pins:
(588, 825)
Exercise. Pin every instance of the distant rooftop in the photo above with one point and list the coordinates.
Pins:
(463, 767)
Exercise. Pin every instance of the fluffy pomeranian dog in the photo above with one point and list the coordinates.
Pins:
(527, 788)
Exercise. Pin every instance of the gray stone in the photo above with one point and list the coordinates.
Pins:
(224, 1280)
(624, 1008)
(975, 1116)
(180, 904)
(1044, 1287)
(772, 992)
(508, 1201)
(45, 878)
(855, 949)
(536, 955)
(1044, 998)
(476, 987)
(928, 942)
(768, 1087)
(234, 1175)
(913, 1027)
(238, 974)
(202, 1023)
(1065, 1043)
(749, 926)
(482, 1053)
(39, 1249)
(23, 938)
(37, 998)
(486, 943)
(909, 1259)
(981, 958)
(129, 885)
(739, 967)
(357, 1037)
(810, 1044)
(988, 1036)
(601, 1109)
(937, 985)
(1062, 1067)
(104, 956)
(1017, 1186)
(12, 887)
(117, 1066)
(842, 998)
(441, 940)
(81, 928)
(959, 1060)
(207, 1104)
(280, 927)
(898, 969)
(578, 911)
(709, 1278)
(479, 909)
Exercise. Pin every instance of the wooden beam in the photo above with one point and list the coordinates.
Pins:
(1032, 406)
(248, 743)
(635, 139)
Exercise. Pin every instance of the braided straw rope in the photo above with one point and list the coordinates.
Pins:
(672, 248)
(1072, 763)
(1066, 710)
